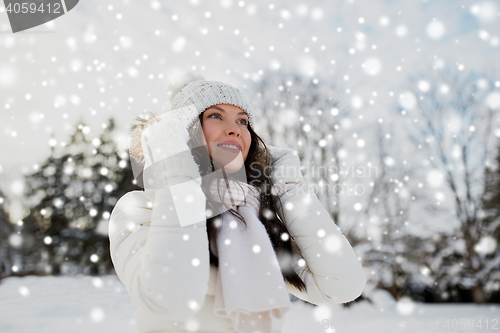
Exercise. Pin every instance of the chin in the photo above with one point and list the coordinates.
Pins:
(231, 164)
(230, 167)
(233, 168)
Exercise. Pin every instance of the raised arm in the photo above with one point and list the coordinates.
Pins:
(323, 257)
(330, 267)
(164, 267)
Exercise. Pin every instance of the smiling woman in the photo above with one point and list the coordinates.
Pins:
(225, 129)
(204, 162)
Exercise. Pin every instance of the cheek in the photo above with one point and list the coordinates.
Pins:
(248, 141)
(207, 133)
(204, 137)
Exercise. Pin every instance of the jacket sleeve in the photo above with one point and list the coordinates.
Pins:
(164, 267)
(324, 259)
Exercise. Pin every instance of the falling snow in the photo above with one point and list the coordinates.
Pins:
(368, 66)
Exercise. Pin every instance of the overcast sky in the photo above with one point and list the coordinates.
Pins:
(115, 58)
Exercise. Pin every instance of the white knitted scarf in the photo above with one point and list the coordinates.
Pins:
(250, 286)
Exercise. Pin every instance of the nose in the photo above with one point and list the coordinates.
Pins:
(232, 129)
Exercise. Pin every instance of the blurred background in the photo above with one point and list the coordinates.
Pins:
(393, 107)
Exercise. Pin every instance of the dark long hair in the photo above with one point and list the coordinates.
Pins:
(257, 168)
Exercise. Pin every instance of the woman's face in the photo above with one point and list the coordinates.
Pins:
(224, 127)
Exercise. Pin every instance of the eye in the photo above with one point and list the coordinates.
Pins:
(245, 122)
(214, 114)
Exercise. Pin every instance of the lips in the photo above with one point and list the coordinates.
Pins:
(229, 149)
(229, 143)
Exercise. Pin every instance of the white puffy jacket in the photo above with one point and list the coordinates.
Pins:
(153, 257)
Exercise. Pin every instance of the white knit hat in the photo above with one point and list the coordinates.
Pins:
(191, 95)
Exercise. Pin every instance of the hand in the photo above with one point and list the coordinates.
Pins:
(286, 165)
(286, 174)
(167, 155)
(163, 138)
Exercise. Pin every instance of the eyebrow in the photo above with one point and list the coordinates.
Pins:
(218, 108)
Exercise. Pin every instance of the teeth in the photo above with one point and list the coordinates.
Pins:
(230, 146)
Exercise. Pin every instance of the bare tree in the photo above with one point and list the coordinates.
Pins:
(393, 252)
(451, 127)
(304, 113)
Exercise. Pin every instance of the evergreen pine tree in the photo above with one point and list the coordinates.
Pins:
(6, 230)
(73, 193)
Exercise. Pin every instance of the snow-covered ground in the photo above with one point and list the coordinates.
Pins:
(101, 304)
